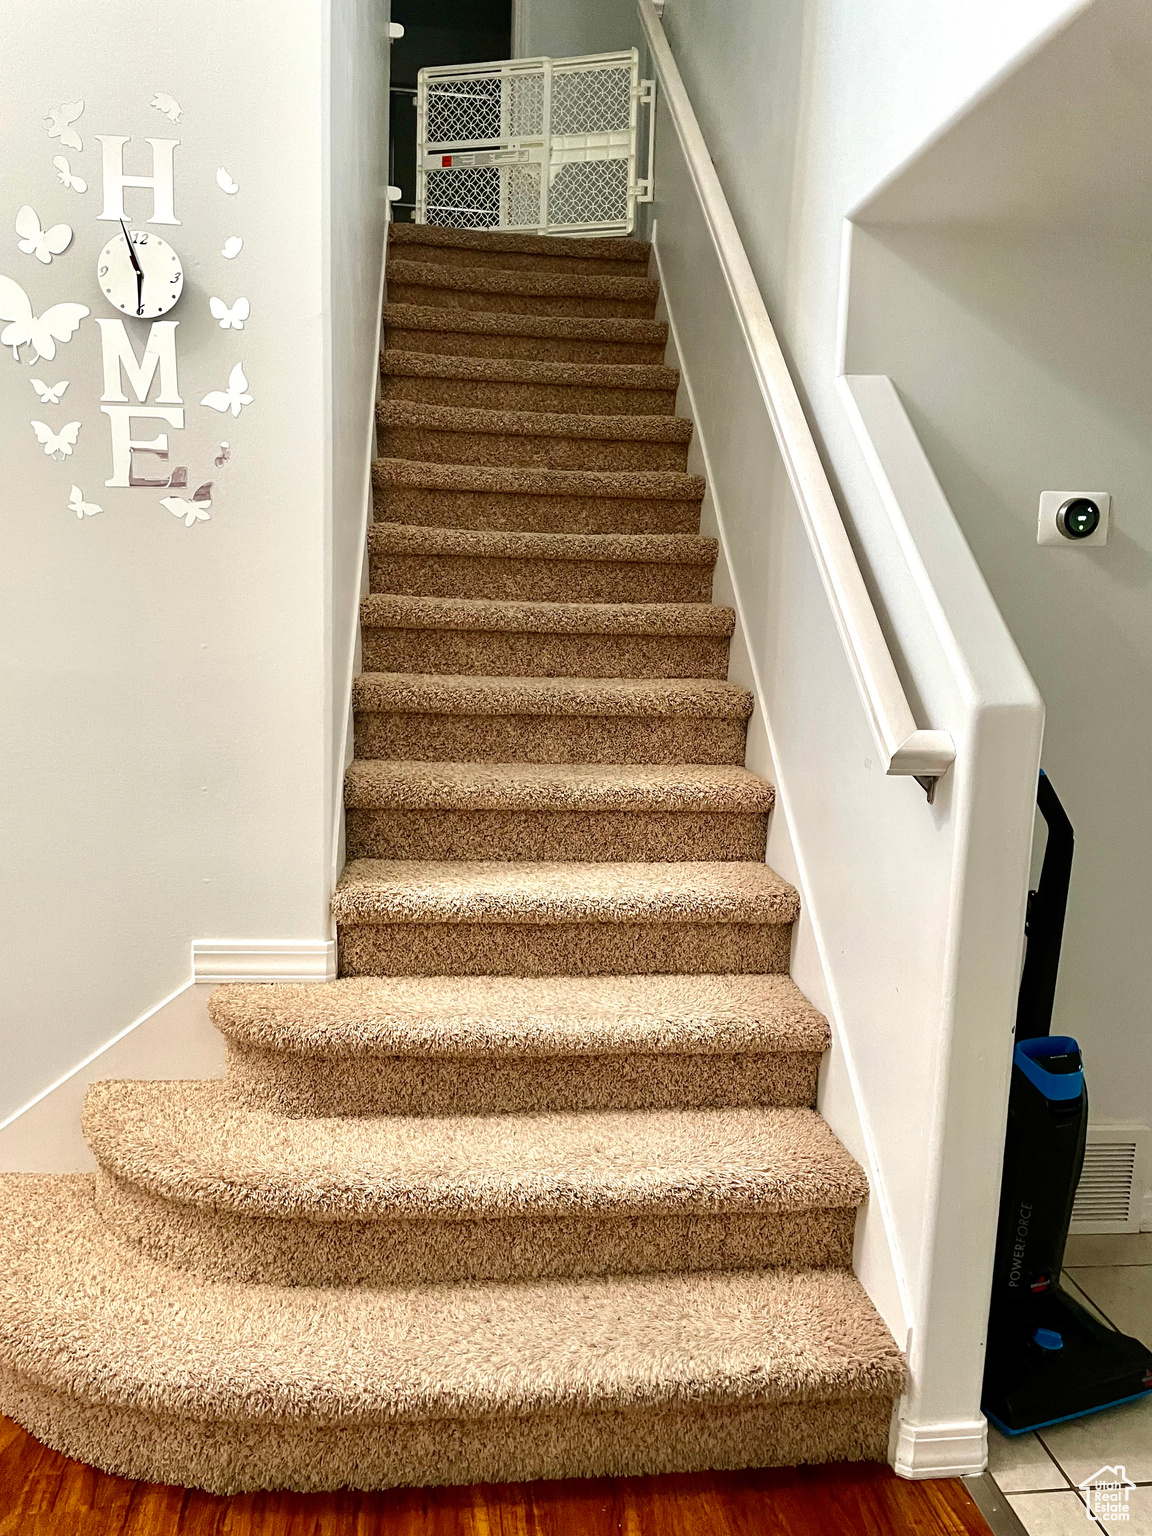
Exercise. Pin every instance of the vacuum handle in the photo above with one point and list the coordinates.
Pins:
(1047, 907)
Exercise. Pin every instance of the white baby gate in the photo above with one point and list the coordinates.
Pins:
(547, 145)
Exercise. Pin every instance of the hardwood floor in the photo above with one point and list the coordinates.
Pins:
(45, 1494)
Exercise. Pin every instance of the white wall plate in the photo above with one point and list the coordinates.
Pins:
(1051, 503)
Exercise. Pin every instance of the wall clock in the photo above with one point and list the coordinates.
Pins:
(140, 273)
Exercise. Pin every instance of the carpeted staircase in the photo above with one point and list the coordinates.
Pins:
(537, 1188)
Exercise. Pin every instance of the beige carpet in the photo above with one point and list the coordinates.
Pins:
(538, 1187)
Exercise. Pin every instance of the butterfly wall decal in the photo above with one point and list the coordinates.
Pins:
(41, 243)
(58, 323)
(168, 105)
(225, 182)
(57, 445)
(223, 456)
(59, 124)
(194, 511)
(82, 508)
(233, 318)
(67, 179)
(230, 399)
(232, 247)
(49, 393)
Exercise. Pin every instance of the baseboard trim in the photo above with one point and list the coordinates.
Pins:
(958, 1449)
(220, 960)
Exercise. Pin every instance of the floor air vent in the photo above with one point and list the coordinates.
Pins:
(1110, 1195)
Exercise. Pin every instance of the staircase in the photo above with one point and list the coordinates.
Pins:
(536, 1189)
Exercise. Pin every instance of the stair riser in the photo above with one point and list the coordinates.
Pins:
(498, 450)
(258, 1250)
(508, 513)
(317, 1086)
(517, 261)
(493, 653)
(548, 738)
(230, 1457)
(562, 949)
(562, 836)
(535, 349)
(540, 581)
(502, 395)
(555, 304)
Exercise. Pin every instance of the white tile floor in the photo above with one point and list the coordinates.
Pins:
(1039, 1473)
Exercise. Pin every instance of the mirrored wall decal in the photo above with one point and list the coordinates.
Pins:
(50, 394)
(57, 445)
(232, 398)
(194, 511)
(42, 332)
(223, 456)
(232, 247)
(167, 104)
(82, 508)
(230, 318)
(67, 179)
(59, 124)
(225, 182)
(41, 243)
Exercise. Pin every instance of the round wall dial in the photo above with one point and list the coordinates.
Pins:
(140, 273)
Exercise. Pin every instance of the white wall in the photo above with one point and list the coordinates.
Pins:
(356, 221)
(561, 29)
(1002, 281)
(168, 715)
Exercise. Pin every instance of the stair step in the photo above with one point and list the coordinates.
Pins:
(557, 338)
(409, 918)
(548, 253)
(512, 384)
(441, 285)
(561, 720)
(153, 1373)
(554, 812)
(542, 567)
(503, 1044)
(445, 434)
(491, 637)
(536, 500)
(195, 1179)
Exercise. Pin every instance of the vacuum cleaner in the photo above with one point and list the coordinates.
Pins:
(1048, 1358)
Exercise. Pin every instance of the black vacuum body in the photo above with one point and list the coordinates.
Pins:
(1048, 1358)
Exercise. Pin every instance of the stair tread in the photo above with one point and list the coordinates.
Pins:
(522, 1016)
(386, 610)
(479, 279)
(427, 317)
(398, 362)
(414, 414)
(378, 783)
(190, 1142)
(82, 1314)
(490, 891)
(496, 544)
(659, 484)
(423, 692)
(592, 248)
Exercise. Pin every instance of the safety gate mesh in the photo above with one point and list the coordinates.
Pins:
(549, 145)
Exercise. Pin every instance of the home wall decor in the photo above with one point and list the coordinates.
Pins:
(139, 273)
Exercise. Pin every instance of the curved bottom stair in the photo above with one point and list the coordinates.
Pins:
(150, 1372)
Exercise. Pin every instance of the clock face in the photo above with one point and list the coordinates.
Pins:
(143, 281)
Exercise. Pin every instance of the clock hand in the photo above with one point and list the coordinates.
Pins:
(139, 269)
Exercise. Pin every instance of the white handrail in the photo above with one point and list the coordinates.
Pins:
(904, 748)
